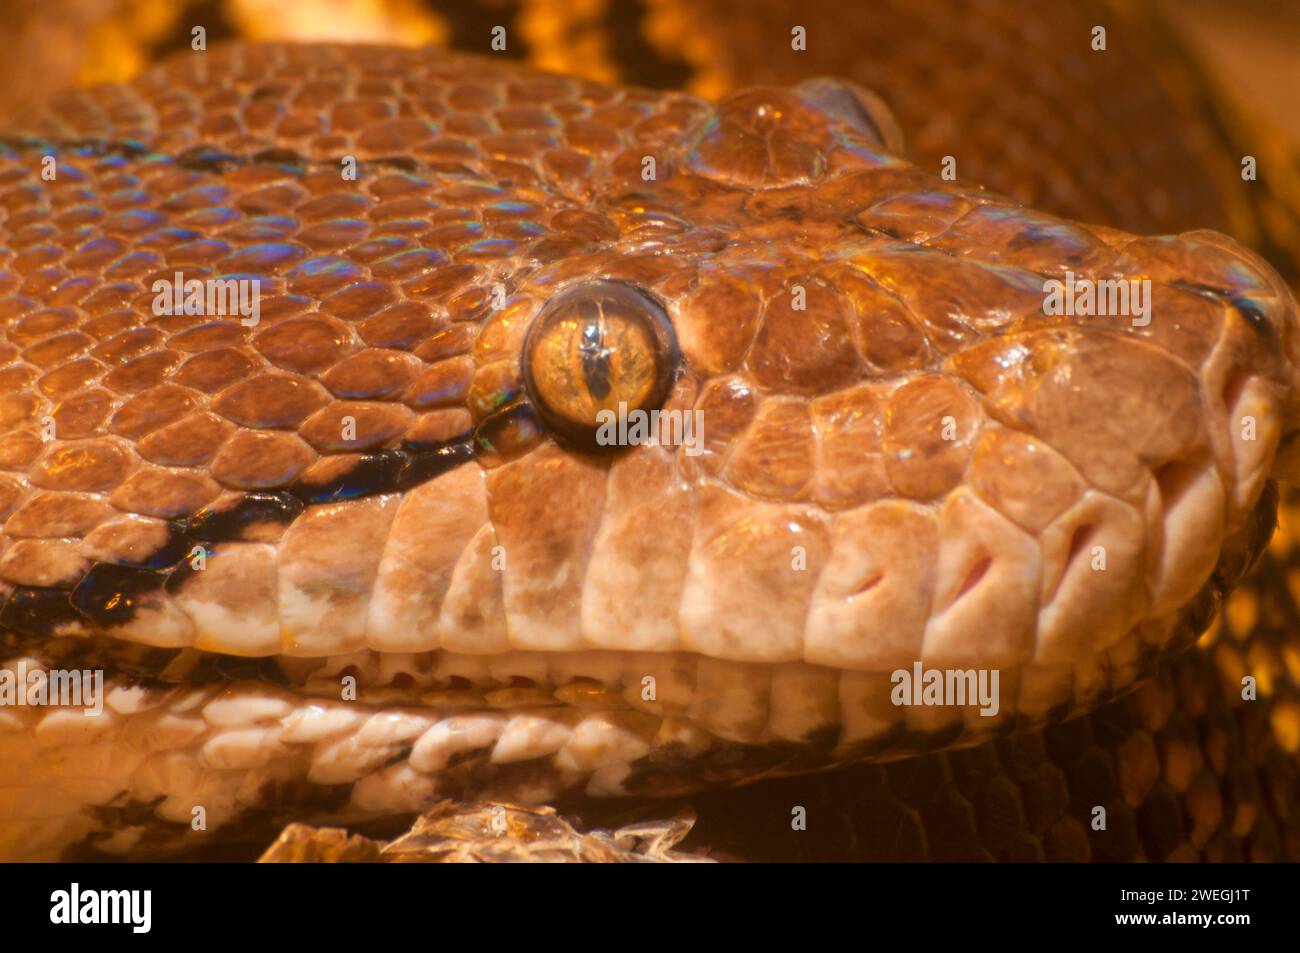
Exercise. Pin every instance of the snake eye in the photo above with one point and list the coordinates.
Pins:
(593, 347)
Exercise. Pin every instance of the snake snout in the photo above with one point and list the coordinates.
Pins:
(1286, 461)
(1274, 313)
(1256, 356)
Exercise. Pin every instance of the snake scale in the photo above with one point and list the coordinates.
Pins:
(392, 481)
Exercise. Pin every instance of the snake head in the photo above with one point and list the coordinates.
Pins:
(933, 426)
(902, 424)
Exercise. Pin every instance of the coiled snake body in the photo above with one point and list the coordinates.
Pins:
(365, 554)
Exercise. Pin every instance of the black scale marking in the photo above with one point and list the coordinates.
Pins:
(110, 594)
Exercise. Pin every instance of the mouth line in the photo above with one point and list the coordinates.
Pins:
(440, 679)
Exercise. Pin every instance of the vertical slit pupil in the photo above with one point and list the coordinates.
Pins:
(595, 357)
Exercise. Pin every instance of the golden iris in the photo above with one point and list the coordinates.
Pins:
(601, 346)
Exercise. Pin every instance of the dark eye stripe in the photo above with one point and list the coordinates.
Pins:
(218, 524)
(110, 594)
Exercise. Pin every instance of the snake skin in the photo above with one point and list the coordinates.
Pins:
(371, 296)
